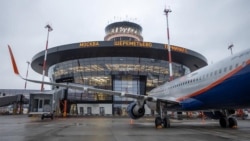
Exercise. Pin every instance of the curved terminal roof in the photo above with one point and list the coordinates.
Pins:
(180, 55)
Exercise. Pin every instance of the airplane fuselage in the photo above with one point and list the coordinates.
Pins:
(222, 85)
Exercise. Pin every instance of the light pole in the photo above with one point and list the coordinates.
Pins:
(45, 55)
(231, 48)
(169, 48)
(27, 74)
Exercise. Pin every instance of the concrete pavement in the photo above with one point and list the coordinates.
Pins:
(23, 128)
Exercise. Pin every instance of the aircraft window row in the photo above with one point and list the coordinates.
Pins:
(187, 82)
(229, 68)
(225, 69)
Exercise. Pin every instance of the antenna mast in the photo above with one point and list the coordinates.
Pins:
(45, 55)
(231, 48)
(166, 11)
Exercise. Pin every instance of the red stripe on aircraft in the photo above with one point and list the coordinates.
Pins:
(213, 84)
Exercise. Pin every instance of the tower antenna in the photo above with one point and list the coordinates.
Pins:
(166, 11)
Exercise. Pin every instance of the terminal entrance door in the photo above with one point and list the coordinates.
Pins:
(81, 111)
(40, 105)
(102, 111)
(130, 84)
(89, 110)
(37, 105)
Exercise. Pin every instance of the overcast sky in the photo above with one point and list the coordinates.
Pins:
(205, 26)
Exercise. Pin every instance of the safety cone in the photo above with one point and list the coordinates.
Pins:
(131, 121)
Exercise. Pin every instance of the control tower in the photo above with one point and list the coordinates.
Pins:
(123, 31)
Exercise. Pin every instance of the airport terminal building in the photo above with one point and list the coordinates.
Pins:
(122, 62)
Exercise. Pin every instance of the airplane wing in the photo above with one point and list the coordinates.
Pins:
(108, 92)
(132, 95)
(90, 88)
(104, 91)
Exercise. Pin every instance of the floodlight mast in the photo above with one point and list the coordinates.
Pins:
(27, 72)
(45, 55)
(166, 11)
(230, 47)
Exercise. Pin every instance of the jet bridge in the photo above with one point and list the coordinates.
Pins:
(8, 100)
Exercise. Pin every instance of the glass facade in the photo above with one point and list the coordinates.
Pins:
(127, 74)
(98, 71)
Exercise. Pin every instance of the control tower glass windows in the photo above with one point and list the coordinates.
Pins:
(123, 38)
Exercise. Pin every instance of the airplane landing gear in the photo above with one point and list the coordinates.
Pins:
(223, 122)
(166, 122)
(230, 122)
(160, 121)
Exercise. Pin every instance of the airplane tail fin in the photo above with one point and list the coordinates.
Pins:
(13, 61)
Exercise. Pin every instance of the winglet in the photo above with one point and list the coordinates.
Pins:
(13, 61)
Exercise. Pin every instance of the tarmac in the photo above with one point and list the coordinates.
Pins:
(24, 128)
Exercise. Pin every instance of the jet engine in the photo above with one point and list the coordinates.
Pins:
(135, 111)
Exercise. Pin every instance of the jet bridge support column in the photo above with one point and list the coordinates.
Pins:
(65, 108)
(21, 104)
(65, 103)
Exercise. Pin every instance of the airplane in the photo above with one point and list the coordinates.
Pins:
(217, 90)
